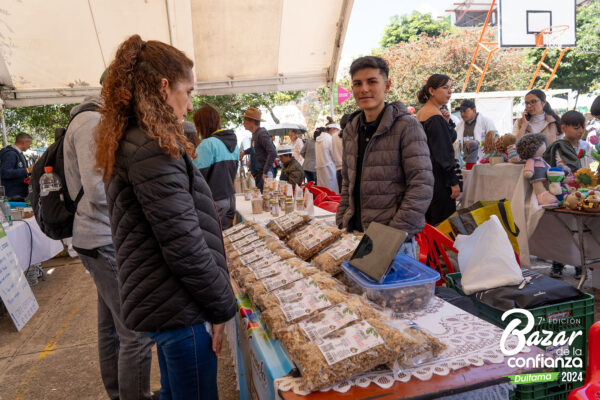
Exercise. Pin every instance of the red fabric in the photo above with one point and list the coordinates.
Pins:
(331, 206)
(591, 388)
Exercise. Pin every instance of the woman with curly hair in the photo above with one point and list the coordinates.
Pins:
(173, 280)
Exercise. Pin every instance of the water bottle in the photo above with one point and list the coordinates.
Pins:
(6, 212)
(49, 182)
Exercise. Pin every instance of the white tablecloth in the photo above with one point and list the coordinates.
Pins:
(244, 208)
(506, 181)
(27, 239)
(553, 238)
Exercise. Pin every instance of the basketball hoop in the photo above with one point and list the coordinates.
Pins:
(550, 37)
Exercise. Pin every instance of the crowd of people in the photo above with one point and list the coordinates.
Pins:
(149, 224)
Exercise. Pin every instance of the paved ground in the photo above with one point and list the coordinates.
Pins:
(55, 355)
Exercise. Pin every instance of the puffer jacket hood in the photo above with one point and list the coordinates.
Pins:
(396, 178)
(227, 136)
(90, 103)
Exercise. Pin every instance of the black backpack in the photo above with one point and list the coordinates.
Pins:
(55, 212)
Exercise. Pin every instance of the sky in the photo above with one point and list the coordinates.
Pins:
(369, 17)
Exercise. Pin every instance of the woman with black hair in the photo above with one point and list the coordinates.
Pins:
(538, 117)
(434, 94)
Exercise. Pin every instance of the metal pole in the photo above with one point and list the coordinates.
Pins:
(4, 140)
(331, 108)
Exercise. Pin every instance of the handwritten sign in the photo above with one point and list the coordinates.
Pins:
(14, 289)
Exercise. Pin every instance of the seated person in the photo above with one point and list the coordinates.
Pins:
(292, 170)
(566, 154)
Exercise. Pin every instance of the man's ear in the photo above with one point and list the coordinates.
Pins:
(388, 85)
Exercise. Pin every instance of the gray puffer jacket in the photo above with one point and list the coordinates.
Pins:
(396, 181)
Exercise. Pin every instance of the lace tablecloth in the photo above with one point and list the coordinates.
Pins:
(471, 341)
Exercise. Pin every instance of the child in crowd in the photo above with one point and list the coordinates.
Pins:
(292, 170)
(566, 154)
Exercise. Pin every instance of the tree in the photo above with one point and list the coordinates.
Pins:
(412, 27)
(231, 107)
(580, 67)
(38, 121)
(411, 63)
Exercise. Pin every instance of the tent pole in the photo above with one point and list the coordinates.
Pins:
(4, 140)
(331, 108)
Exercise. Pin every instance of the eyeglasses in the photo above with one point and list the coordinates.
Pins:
(532, 102)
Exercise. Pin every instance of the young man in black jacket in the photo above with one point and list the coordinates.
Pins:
(14, 168)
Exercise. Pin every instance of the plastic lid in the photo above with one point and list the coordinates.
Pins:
(47, 169)
(404, 271)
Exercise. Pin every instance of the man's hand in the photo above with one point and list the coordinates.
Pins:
(265, 176)
(455, 191)
(217, 337)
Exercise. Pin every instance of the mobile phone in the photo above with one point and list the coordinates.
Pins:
(527, 116)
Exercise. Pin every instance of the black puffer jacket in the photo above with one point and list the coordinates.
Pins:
(168, 241)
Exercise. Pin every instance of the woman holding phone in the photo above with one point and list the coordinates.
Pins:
(538, 117)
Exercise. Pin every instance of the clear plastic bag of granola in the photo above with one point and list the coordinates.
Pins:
(319, 372)
(331, 257)
(313, 239)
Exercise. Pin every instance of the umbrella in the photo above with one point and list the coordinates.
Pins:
(284, 128)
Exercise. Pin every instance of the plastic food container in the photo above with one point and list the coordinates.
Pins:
(407, 287)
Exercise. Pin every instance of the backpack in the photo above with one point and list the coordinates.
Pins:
(54, 212)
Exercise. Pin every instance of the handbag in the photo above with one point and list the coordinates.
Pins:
(466, 220)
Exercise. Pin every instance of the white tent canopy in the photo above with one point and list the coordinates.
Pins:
(55, 51)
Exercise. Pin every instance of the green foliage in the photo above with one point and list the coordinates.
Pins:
(412, 26)
(231, 107)
(39, 121)
(580, 67)
(411, 63)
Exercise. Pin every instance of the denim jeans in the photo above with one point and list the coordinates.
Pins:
(310, 176)
(125, 355)
(409, 248)
(226, 210)
(188, 366)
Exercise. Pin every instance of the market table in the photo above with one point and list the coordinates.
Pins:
(550, 240)
(486, 182)
(30, 244)
(473, 362)
(244, 208)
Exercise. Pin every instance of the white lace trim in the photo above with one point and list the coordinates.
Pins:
(470, 340)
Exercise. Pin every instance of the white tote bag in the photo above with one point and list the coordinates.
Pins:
(486, 258)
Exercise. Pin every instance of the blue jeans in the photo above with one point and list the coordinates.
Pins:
(188, 366)
(310, 176)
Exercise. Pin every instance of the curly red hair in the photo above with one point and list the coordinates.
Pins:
(131, 90)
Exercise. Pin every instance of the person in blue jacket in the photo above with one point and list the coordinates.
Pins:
(217, 158)
(14, 168)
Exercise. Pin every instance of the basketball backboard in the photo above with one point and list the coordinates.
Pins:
(520, 20)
